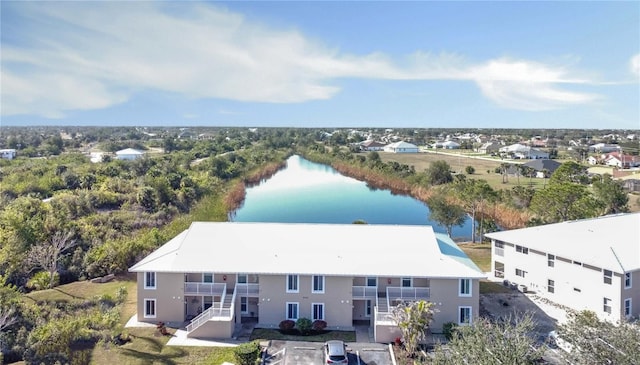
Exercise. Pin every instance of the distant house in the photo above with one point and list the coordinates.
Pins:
(589, 264)
(489, 148)
(371, 145)
(96, 157)
(520, 151)
(621, 160)
(129, 154)
(631, 185)
(543, 168)
(401, 147)
(592, 160)
(450, 145)
(8, 154)
(603, 147)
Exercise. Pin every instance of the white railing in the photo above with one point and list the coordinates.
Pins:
(364, 291)
(409, 293)
(498, 251)
(200, 319)
(247, 289)
(199, 288)
(383, 317)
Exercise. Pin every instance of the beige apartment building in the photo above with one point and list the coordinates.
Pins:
(589, 264)
(214, 275)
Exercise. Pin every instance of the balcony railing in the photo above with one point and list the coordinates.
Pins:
(409, 293)
(364, 291)
(383, 318)
(198, 288)
(247, 289)
(498, 251)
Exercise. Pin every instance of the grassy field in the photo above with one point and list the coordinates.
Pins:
(484, 166)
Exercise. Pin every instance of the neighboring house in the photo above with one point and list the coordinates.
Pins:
(96, 157)
(631, 185)
(401, 147)
(520, 151)
(603, 148)
(450, 145)
(589, 264)
(371, 145)
(544, 168)
(129, 154)
(215, 274)
(592, 160)
(621, 160)
(8, 154)
(489, 148)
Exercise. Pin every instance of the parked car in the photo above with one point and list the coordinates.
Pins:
(335, 352)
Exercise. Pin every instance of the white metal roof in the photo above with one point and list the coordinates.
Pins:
(129, 151)
(611, 242)
(307, 249)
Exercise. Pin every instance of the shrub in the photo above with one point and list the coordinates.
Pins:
(41, 280)
(319, 325)
(287, 325)
(304, 325)
(470, 170)
(448, 329)
(247, 353)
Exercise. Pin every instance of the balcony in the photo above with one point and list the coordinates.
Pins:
(364, 292)
(407, 293)
(199, 288)
(247, 290)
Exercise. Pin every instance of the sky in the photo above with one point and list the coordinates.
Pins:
(454, 64)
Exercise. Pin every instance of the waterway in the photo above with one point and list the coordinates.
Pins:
(308, 192)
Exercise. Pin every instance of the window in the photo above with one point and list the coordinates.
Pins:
(551, 286)
(292, 311)
(318, 284)
(520, 273)
(607, 307)
(464, 286)
(464, 315)
(244, 306)
(242, 279)
(577, 290)
(627, 307)
(149, 308)
(292, 284)
(367, 308)
(499, 269)
(317, 311)
(407, 283)
(149, 280)
(607, 276)
(551, 260)
(372, 281)
(522, 249)
(577, 263)
(627, 280)
(499, 248)
(207, 277)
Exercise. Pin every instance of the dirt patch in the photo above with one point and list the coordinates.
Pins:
(503, 305)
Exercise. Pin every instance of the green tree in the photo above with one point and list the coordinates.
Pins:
(470, 170)
(445, 213)
(438, 173)
(413, 319)
(569, 172)
(610, 195)
(489, 342)
(600, 342)
(473, 194)
(563, 201)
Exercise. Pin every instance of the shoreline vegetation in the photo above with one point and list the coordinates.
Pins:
(505, 216)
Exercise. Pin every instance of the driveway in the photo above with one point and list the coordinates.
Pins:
(310, 353)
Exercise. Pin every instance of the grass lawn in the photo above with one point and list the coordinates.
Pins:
(274, 334)
(480, 253)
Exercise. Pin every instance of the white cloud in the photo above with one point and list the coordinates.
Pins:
(634, 65)
(82, 56)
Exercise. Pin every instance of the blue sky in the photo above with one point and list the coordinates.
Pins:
(322, 64)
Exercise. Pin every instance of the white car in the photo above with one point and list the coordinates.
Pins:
(335, 352)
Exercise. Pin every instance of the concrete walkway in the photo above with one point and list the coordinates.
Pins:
(364, 334)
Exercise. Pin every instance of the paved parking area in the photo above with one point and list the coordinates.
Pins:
(310, 353)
